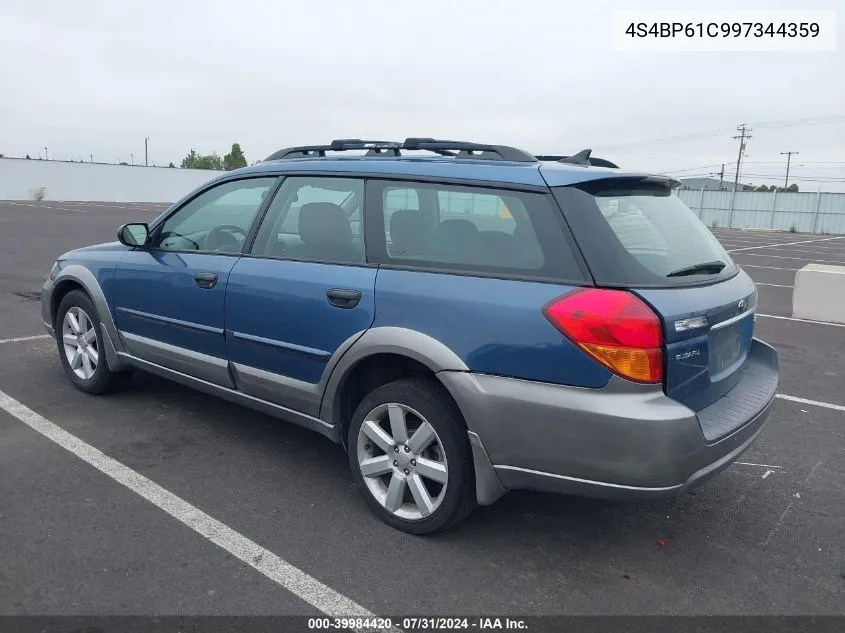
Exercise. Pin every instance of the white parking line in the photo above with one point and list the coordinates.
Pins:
(757, 283)
(800, 259)
(20, 339)
(786, 318)
(279, 571)
(760, 465)
(815, 403)
(824, 239)
(817, 250)
(44, 207)
(768, 267)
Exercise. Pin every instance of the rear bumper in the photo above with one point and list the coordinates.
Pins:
(624, 441)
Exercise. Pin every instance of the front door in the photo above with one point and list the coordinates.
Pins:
(302, 291)
(169, 296)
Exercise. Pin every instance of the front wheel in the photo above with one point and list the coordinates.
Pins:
(410, 455)
(80, 340)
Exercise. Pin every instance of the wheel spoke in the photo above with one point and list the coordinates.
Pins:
(90, 336)
(92, 354)
(421, 438)
(76, 359)
(69, 339)
(398, 426)
(433, 470)
(74, 324)
(420, 494)
(83, 322)
(376, 466)
(395, 493)
(373, 431)
(87, 369)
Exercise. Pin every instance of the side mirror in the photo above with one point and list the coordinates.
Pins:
(135, 234)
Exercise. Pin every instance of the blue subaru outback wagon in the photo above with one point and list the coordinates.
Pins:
(464, 319)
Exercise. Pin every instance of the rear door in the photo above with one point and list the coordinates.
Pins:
(303, 290)
(636, 235)
(169, 296)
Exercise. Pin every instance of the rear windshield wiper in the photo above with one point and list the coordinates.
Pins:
(704, 268)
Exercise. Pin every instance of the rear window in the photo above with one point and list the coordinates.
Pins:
(633, 232)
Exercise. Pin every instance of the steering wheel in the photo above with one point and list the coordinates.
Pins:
(168, 234)
(220, 238)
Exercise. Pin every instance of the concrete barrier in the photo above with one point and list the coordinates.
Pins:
(22, 179)
(819, 293)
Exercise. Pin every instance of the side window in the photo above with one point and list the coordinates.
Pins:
(217, 220)
(400, 199)
(315, 219)
(486, 230)
(488, 212)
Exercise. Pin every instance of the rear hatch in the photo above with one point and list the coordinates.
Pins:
(635, 235)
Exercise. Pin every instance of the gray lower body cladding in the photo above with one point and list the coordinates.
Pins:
(622, 441)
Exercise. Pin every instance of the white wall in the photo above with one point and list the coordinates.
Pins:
(20, 178)
(804, 212)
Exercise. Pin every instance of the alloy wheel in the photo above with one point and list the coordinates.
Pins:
(79, 338)
(402, 461)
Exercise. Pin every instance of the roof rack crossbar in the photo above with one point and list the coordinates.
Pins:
(454, 149)
(467, 150)
(338, 145)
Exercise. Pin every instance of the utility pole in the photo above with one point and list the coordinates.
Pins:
(92, 157)
(146, 152)
(743, 136)
(132, 158)
(788, 160)
(45, 154)
(721, 176)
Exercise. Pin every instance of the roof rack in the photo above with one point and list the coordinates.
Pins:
(581, 158)
(455, 149)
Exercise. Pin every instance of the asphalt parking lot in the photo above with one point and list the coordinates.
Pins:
(765, 537)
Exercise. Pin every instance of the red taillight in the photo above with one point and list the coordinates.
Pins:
(614, 327)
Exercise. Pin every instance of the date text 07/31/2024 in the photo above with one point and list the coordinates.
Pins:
(418, 623)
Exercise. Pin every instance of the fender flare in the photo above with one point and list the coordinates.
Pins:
(85, 278)
(384, 340)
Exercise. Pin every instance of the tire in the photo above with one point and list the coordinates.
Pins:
(416, 402)
(90, 371)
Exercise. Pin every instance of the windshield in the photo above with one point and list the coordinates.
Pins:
(638, 233)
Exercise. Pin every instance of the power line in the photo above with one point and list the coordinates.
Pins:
(670, 139)
(675, 171)
(797, 122)
(716, 132)
(794, 177)
(806, 162)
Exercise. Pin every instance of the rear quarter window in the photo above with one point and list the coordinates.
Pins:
(482, 230)
(636, 233)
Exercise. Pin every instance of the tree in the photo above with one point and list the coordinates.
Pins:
(763, 188)
(793, 188)
(234, 159)
(28, 157)
(171, 165)
(198, 161)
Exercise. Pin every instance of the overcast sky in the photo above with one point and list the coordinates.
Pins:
(96, 77)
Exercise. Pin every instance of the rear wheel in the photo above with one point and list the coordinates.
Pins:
(80, 341)
(410, 455)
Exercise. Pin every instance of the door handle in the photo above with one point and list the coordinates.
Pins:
(205, 280)
(341, 298)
